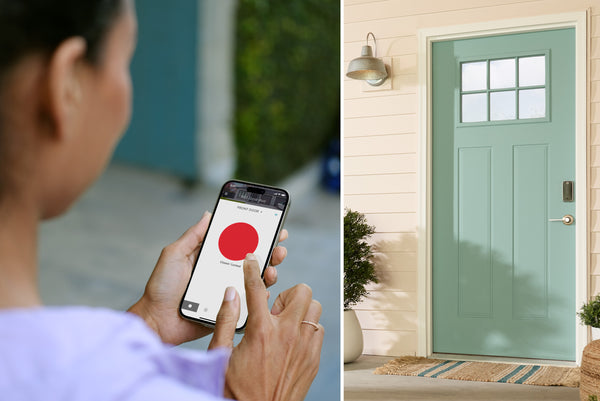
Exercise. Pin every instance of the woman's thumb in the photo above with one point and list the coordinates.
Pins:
(226, 320)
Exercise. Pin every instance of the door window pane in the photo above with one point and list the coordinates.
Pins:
(532, 71)
(502, 73)
(474, 108)
(474, 76)
(505, 89)
(503, 106)
(532, 103)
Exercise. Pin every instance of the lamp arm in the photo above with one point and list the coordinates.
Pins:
(374, 41)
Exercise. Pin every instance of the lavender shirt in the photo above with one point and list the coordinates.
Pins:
(78, 353)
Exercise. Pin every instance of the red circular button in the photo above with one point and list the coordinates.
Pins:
(237, 240)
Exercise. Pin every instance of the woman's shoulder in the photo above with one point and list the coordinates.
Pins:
(68, 330)
(50, 339)
(91, 351)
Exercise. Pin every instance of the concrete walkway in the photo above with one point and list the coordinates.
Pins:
(102, 252)
(360, 384)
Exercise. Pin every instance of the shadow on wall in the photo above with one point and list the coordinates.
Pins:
(392, 304)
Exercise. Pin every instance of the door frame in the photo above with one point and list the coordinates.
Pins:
(426, 37)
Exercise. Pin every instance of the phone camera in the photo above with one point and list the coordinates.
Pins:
(255, 190)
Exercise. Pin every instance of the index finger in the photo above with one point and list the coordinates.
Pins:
(256, 292)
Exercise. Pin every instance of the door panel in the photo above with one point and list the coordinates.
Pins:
(474, 211)
(530, 248)
(503, 143)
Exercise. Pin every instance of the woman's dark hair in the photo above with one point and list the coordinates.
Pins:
(40, 26)
(29, 26)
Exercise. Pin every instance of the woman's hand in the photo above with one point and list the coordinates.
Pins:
(160, 302)
(278, 357)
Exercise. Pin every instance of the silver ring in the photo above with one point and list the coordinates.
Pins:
(313, 324)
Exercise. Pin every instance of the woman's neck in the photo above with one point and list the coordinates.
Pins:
(18, 254)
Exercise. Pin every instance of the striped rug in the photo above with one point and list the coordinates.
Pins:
(481, 371)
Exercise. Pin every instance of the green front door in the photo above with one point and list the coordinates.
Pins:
(503, 154)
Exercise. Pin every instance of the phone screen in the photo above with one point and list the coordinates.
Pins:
(246, 219)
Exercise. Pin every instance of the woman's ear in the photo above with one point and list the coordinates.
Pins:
(64, 88)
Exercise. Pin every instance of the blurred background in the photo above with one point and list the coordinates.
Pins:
(223, 89)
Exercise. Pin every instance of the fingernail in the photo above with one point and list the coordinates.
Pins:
(250, 256)
(205, 214)
(230, 294)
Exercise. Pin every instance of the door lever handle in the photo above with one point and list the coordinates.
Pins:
(567, 219)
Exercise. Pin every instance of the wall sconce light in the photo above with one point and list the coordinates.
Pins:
(366, 67)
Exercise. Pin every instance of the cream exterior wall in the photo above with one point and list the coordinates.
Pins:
(380, 146)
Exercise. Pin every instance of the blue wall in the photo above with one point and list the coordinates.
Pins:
(163, 125)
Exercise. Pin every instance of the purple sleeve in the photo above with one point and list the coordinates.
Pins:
(91, 354)
(185, 376)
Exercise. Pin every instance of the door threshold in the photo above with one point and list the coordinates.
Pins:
(503, 359)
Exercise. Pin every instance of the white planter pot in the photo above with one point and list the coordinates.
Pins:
(353, 338)
(595, 333)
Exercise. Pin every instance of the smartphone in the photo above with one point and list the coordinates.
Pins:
(247, 219)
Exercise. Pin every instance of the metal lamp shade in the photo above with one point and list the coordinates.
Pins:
(366, 67)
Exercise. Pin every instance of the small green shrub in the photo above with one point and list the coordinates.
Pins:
(593, 398)
(287, 85)
(359, 269)
(590, 313)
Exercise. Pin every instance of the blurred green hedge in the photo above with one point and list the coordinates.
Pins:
(287, 84)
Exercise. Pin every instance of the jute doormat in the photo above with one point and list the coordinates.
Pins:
(481, 371)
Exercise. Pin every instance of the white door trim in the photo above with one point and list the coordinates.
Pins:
(426, 38)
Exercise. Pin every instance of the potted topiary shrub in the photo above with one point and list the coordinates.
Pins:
(589, 315)
(589, 385)
(359, 270)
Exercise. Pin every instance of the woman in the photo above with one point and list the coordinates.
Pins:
(65, 95)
